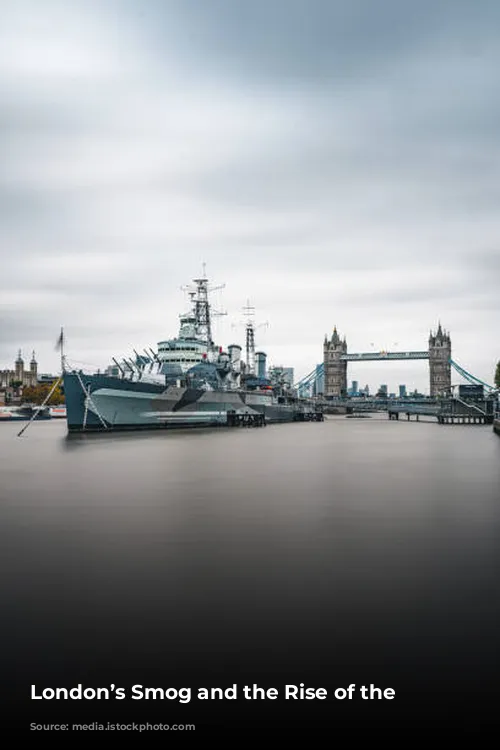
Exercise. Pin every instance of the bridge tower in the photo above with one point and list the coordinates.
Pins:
(439, 361)
(335, 369)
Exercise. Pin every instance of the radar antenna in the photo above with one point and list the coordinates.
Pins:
(201, 306)
(249, 311)
(250, 329)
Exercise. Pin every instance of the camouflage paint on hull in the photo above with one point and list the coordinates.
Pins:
(117, 404)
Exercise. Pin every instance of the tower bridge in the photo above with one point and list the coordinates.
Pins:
(336, 357)
(329, 379)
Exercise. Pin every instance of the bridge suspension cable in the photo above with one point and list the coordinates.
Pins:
(309, 379)
(470, 378)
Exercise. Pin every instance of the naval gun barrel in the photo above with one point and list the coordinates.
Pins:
(119, 367)
(128, 365)
(138, 359)
(150, 359)
(133, 366)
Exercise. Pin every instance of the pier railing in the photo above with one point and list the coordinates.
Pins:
(451, 410)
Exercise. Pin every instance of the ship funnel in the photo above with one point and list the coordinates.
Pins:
(234, 352)
(261, 364)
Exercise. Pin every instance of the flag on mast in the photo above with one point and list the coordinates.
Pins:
(60, 342)
(60, 348)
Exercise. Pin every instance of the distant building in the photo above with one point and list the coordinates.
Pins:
(354, 390)
(382, 391)
(46, 377)
(112, 371)
(19, 375)
(402, 391)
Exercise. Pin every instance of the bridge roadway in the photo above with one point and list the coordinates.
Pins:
(379, 356)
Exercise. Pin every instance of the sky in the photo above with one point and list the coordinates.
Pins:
(334, 163)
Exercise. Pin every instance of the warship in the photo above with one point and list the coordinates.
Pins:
(188, 381)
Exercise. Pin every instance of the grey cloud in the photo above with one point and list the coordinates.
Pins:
(312, 41)
(336, 162)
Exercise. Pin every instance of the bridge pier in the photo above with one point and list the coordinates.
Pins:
(445, 410)
(460, 419)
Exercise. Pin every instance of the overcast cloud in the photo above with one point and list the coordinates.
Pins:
(337, 163)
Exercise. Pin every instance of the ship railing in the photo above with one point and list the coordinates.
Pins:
(85, 368)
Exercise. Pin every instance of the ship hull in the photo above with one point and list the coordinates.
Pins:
(100, 403)
(24, 414)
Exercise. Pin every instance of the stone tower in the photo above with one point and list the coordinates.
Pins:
(439, 361)
(33, 370)
(335, 368)
(19, 367)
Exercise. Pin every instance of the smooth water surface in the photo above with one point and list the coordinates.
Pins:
(350, 551)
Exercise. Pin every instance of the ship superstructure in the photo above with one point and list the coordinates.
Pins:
(191, 355)
(194, 343)
(188, 381)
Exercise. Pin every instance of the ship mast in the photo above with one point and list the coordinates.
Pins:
(201, 307)
(249, 310)
(202, 310)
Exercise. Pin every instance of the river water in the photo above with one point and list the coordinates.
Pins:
(354, 551)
